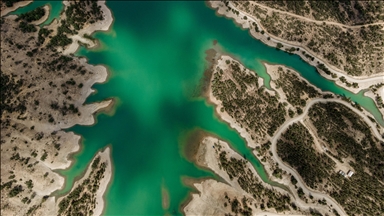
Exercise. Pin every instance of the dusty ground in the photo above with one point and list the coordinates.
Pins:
(321, 147)
(5, 10)
(102, 25)
(211, 197)
(375, 95)
(35, 145)
(363, 81)
(224, 115)
(105, 156)
(324, 39)
(207, 157)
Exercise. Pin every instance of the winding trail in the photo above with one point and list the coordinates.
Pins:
(367, 80)
(363, 81)
(315, 21)
(315, 194)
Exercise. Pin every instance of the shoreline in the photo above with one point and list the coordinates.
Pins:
(105, 155)
(225, 116)
(231, 123)
(94, 108)
(101, 76)
(207, 196)
(363, 81)
(268, 67)
(190, 182)
(47, 9)
(369, 93)
(109, 109)
(104, 186)
(228, 119)
(104, 25)
(15, 6)
(89, 111)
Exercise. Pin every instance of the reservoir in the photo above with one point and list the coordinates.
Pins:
(155, 53)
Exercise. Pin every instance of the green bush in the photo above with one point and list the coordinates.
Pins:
(34, 15)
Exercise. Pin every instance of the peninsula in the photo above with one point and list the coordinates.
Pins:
(336, 42)
(287, 129)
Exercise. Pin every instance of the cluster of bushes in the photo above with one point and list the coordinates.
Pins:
(15, 190)
(9, 3)
(8, 184)
(81, 12)
(343, 80)
(82, 200)
(59, 40)
(32, 52)
(241, 207)
(29, 184)
(26, 27)
(291, 50)
(9, 88)
(308, 56)
(30, 16)
(374, 88)
(338, 126)
(44, 156)
(263, 150)
(259, 112)
(233, 10)
(65, 108)
(349, 49)
(322, 67)
(296, 147)
(61, 62)
(248, 182)
(279, 46)
(339, 11)
(379, 101)
(295, 88)
(43, 33)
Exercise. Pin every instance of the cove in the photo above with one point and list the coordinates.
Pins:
(56, 8)
(155, 55)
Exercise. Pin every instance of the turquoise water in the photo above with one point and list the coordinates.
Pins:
(155, 54)
(56, 8)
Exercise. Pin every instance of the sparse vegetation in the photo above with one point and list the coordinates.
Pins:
(237, 169)
(296, 147)
(9, 3)
(82, 199)
(34, 76)
(346, 136)
(258, 111)
(78, 14)
(33, 15)
(354, 50)
(253, 107)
